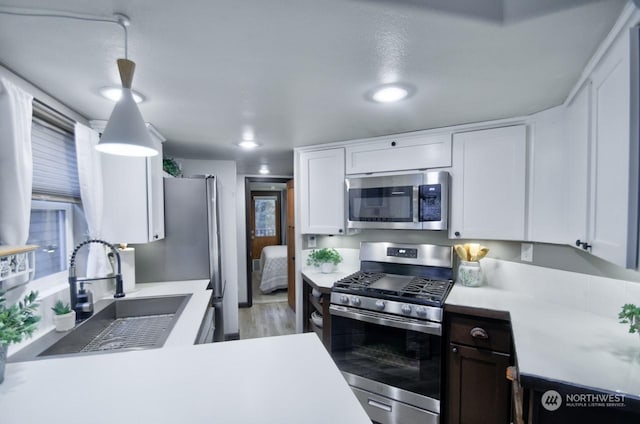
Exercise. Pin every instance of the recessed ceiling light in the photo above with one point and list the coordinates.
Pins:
(114, 94)
(248, 144)
(390, 93)
(264, 169)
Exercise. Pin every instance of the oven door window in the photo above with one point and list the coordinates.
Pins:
(381, 204)
(399, 358)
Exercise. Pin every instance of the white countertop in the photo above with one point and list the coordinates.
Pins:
(349, 265)
(287, 379)
(326, 281)
(557, 342)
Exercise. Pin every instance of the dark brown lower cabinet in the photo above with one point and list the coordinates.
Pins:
(310, 304)
(479, 353)
(478, 390)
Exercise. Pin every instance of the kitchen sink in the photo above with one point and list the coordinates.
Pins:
(123, 324)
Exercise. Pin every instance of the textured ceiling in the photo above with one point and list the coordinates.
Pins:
(296, 72)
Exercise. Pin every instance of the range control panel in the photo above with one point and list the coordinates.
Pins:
(402, 252)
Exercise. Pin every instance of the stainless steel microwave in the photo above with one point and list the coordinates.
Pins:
(417, 201)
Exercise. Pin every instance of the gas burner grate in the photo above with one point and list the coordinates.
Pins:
(422, 288)
(358, 281)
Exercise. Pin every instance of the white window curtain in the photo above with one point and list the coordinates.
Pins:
(16, 165)
(91, 192)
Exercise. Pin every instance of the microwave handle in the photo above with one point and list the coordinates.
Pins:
(426, 327)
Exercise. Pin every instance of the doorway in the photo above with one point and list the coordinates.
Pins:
(267, 239)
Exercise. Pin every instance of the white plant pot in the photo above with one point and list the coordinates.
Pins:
(65, 322)
(326, 267)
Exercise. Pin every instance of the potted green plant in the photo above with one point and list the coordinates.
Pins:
(16, 322)
(324, 258)
(64, 318)
(630, 314)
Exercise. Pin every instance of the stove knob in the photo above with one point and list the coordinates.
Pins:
(406, 309)
(380, 304)
(355, 301)
(421, 311)
(344, 298)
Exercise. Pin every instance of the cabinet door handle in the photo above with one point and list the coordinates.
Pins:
(454, 349)
(457, 234)
(583, 244)
(379, 405)
(479, 333)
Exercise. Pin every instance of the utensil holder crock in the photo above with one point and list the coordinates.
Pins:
(470, 274)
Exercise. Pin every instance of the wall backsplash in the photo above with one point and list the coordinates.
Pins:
(553, 256)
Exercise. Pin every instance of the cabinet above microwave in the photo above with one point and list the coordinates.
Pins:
(411, 202)
(399, 154)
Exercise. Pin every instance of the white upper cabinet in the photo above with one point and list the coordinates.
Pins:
(399, 154)
(549, 161)
(613, 213)
(322, 192)
(133, 198)
(576, 159)
(488, 184)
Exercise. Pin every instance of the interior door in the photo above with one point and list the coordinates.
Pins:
(291, 247)
(265, 221)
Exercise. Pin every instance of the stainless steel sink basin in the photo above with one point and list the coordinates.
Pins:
(123, 324)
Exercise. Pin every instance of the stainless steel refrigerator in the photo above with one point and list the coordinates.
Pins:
(190, 249)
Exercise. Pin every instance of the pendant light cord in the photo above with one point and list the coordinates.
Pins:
(119, 19)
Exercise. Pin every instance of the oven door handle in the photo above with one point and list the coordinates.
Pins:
(376, 318)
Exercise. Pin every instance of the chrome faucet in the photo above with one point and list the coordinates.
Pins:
(85, 309)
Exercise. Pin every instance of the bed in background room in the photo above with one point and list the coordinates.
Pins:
(273, 268)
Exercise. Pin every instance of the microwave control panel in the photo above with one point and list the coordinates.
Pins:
(430, 202)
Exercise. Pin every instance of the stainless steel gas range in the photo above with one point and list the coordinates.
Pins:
(386, 329)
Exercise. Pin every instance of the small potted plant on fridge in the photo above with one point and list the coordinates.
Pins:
(16, 322)
(324, 258)
(65, 317)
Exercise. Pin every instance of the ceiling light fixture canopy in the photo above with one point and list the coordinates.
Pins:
(126, 133)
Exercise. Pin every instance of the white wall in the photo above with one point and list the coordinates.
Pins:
(226, 172)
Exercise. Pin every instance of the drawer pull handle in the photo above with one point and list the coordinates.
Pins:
(479, 333)
(379, 405)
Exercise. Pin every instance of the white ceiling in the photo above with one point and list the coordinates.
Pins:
(296, 71)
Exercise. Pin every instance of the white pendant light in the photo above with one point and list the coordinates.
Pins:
(126, 133)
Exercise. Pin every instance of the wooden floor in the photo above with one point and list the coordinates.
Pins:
(271, 316)
(266, 319)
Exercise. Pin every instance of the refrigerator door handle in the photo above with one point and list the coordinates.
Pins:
(214, 256)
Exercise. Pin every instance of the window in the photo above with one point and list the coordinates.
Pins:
(265, 210)
(50, 228)
(55, 190)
